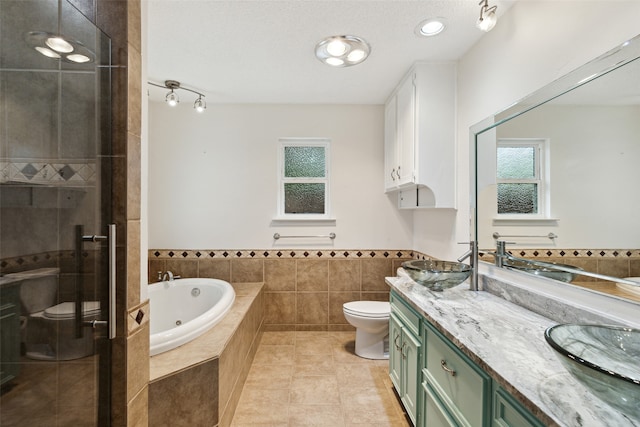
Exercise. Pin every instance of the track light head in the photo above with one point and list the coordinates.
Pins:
(172, 98)
(488, 18)
(200, 105)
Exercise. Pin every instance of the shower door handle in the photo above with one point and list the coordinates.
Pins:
(111, 238)
(112, 281)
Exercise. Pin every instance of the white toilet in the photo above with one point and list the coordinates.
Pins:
(371, 319)
(48, 329)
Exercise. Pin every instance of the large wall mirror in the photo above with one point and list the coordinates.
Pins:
(557, 176)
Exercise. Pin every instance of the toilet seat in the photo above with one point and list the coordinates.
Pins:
(368, 309)
(67, 310)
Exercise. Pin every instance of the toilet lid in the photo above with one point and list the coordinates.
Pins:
(374, 309)
(67, 310)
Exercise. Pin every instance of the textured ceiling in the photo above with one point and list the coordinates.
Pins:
(262, 51)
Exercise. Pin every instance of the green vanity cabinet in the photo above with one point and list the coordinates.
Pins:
(455, 383)
(508, 412)
(405, 354)
(9, 332)
(438, 384)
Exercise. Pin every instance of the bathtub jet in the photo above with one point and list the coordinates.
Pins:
(186, 309)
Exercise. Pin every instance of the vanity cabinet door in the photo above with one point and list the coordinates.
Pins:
(410, 352)
(395, 357)
(507, 412)
(433, 413)
(462, 387)
(9, 334)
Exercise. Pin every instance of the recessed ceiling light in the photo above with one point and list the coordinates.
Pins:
(342, 51)
(431, 27)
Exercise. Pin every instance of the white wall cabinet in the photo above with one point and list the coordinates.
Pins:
(420, 136)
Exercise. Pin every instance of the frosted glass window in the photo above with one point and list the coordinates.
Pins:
(304, 198)
(304, 178)
(516, 162)
(517, 198)
(520, 176)
(304, 162)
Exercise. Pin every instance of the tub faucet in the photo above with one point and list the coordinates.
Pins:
(167, 276)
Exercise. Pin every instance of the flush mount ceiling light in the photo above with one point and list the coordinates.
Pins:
(172, 97)
(59, 47)
(431, 27)
(342, 51)
(488, 18)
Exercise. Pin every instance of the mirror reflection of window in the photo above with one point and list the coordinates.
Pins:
(520, 176)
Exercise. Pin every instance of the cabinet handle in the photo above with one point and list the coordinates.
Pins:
(398, 172)
(404, 356)
(392, 177)
(443, 364)
(395, 342)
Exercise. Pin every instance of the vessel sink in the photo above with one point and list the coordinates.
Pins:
(547, 270)
(603, 358)
(437, 275)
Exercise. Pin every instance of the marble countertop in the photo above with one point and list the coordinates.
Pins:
(507, 341)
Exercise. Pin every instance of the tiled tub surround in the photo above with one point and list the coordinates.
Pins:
(304, 289)
(506, 340)
(199, 383)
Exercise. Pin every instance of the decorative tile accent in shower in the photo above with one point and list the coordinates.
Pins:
(277, 254)
(50, 172)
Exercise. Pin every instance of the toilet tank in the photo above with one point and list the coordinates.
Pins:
(38, 288)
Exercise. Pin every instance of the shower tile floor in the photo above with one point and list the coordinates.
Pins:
(314, 378)
(51, 394)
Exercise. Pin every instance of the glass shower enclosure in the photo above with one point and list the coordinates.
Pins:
(55, 210)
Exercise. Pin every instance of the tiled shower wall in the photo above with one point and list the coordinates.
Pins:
(304, 290)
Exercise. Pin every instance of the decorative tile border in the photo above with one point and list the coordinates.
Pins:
(571, 253)
(278, 254)
(50, 172)
(25, 262)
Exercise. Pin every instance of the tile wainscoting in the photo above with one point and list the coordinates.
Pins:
(304, 289)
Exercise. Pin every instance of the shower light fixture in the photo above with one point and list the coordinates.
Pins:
(172, 97)
(342, 51)
(59, 47)
(488, 18)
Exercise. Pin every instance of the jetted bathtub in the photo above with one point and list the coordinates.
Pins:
(184, 309)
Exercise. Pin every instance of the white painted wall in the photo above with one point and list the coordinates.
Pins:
(213, 177)
(534, 43)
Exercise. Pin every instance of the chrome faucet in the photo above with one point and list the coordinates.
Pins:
(167, 276)
(472, 254)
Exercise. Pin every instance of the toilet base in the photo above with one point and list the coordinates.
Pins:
(46, 339)
(372, 346)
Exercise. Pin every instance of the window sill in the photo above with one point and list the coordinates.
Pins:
(525, 221)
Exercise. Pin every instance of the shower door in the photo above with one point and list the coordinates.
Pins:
(55, 196)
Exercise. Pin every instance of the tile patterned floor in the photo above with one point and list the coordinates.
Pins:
(314, 378)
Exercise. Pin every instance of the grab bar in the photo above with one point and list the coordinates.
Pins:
(277, 236)
(549, 236)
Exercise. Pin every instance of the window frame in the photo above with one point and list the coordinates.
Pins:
(542, 151)
(282, 180)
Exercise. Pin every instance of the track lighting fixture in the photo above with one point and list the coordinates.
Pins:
(172, 97)
(488, 18)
